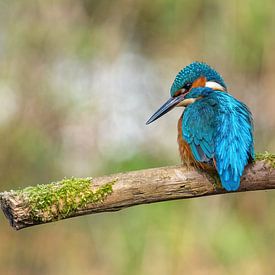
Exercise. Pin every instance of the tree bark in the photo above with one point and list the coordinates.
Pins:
(141, 187)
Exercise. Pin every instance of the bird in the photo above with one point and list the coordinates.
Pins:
(215, 129)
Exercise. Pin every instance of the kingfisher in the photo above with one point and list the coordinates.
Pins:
(215, 129)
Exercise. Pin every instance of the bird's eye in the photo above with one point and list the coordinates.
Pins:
(183, 90)
(187, 86)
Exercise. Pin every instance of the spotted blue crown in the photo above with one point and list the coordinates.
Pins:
(193, 71)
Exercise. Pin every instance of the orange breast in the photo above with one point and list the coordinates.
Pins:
(185, 151)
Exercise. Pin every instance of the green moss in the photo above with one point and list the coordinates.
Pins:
(267, 157)
(61, 199)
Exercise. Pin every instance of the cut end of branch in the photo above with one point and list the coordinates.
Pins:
(50, 202)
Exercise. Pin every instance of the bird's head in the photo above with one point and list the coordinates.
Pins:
(197, 74)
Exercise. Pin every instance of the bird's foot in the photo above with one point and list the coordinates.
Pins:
(215, 179)
(217, 182)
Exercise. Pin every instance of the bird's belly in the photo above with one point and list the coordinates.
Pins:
(186, 154)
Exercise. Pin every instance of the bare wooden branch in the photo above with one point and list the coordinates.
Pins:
(133, 188)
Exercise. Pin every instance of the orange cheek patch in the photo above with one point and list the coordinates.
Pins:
(199, 82)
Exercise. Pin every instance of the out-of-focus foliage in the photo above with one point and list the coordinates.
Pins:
(78, 80)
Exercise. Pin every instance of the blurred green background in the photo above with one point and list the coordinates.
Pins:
(79, 79)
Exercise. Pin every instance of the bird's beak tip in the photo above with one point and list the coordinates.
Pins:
(149, 121)
(166, 107)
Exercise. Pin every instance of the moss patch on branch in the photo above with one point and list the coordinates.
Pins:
(57, 200)
(270, 158)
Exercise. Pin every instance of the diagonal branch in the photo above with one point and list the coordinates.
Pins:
(75, 197)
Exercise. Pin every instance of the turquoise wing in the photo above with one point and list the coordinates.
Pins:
(198, 129)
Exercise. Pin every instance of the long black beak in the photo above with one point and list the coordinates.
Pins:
(165, 108)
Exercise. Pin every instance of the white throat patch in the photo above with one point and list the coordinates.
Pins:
(214, 85)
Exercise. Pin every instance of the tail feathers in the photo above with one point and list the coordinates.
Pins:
(230, 185)
(230, 181)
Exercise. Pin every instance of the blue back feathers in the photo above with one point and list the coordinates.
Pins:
(219, 128)
(193, 71)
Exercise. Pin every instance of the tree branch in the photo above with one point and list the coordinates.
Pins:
(75, 197)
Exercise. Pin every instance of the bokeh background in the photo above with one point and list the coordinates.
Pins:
(79, 79)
